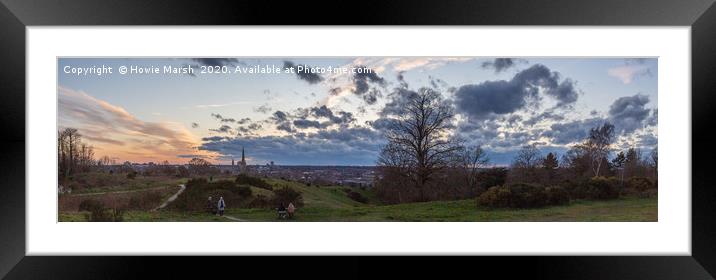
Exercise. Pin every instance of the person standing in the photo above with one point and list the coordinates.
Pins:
(210, 206)
(290, 210)
(221, 205)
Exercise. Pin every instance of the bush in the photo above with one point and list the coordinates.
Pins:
(132, 175)
(243, 179)
(514, 196)
(640, 184)
(557, 196)
(98, 213)
(601, 188)
(595, 188)
(199, 190)
(287, 195)
(356, 196)
(260, 201)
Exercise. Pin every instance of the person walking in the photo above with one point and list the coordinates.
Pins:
(221, 205)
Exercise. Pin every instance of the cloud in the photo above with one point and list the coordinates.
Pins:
(264, 109)
(216, 61)
(115, 132)
(311, 78)
(627, 73)
(342, 146)
(500, 97)
(628, 113)
(194, 125)
(573, 131)
(222, 119)
(336, 118)
(222, 129)
(501, 64)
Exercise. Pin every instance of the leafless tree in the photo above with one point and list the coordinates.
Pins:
(471, 160)
(419, 144)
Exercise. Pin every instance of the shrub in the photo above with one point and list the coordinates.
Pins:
(639, 183)
(198, 190)
(514, 196)
(602, 188)
(595, 188)
(98, 213)
(356, 196)
(260, 201)
(287, 195)
(132, 175)
(243, 179)
(557, 196)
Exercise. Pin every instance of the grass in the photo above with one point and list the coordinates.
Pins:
(331, 204)
(96, 182)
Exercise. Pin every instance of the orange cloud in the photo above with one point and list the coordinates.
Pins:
(114, 132)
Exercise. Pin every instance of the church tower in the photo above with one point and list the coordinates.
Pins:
(242, 164)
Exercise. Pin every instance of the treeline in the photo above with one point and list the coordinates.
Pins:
(73, 155)
(421, 162)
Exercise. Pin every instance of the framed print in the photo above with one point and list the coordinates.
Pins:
(491, 128)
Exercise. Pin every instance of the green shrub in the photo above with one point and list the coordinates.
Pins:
(601, 188)
(243, 179)
(557, 196)
(595, 188)
(287, 195)
(356, 196)
(260, 201)
(514, 196)
(98, 213)
(640, 184)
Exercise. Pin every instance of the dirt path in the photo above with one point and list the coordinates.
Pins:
(171, 198)
(234, 219)
(117, 192)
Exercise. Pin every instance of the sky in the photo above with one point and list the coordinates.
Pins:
(330, 111)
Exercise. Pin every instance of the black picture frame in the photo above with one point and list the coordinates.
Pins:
(700, 15)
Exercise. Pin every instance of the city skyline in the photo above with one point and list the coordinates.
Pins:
(336, 119)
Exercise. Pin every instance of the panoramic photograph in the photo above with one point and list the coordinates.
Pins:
(357, 139)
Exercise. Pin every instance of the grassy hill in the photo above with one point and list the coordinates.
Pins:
(332, 203)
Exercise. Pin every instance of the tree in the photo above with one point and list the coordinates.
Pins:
(471, 160)
(550, 162)
(73, 156)
(418, 142)
(525, 164)
(597, 145)
(528, 157)
(655, 160)
(619, 162)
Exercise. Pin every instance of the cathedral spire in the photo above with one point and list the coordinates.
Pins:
(242, 154)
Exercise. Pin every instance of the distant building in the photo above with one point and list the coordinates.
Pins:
(242, 164)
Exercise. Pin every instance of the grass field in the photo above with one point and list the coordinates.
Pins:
(326, 204)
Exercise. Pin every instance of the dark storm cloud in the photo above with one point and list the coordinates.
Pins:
(500, 64)
(221, 118)
(343, 146)
(302, 123)
(398, 99)
(311, 78)
(628, 113)
(222, 129)
(500, 97)
(336, 118)
(216, 61)
(280, 116)
(544, 116)
(570, 132)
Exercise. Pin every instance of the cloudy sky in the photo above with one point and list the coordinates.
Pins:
(335, 118)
